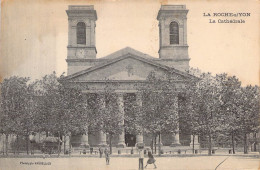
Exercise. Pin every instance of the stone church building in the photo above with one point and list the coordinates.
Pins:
(126, 67)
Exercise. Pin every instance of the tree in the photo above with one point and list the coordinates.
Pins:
(189, 117)
(29, 115)
(229, 97)
(107, 115)
(205, 108)
(134, 117)
(14, 96)
(61, 109)
(248, 111)
(71, 113)
(159, 106)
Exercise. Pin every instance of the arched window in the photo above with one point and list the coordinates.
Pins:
(81, 33)
(174, 33)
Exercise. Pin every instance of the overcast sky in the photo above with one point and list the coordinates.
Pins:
(34, 35)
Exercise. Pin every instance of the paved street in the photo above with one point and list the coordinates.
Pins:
(121, 163)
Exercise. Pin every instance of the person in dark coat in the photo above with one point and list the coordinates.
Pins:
(151, 160)
(100, 152)
(107, 155)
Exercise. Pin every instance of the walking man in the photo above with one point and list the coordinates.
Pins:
(141, 159)
(100, 152)
(107, 155)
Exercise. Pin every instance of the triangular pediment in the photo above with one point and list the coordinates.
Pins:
(125, 51)
(125, 64)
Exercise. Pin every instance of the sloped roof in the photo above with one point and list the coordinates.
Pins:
(123, 54)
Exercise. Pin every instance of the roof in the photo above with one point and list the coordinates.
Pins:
(123, 54)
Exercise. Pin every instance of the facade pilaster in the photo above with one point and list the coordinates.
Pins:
(176, 136)
(102, 138)
(121, 137)
(139, 137)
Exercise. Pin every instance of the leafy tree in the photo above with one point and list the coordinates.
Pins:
(205, 108)
(189, 117)
(248, 112)
(14, 96)
(61, 109)
(27, 119)
(107, 115)
(159, 106)
(47, 97)
(134, 117)
(229, 97)
(71, 113)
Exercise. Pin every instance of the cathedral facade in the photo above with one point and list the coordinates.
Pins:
(126, 67)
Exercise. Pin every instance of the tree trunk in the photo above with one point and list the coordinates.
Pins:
(27, 143)
(245, 144)
(193, 138)
(32, 148)
(233, 143)
(110, 143)
(210, 145)
(17, 144)
(58, 144)
(3, 146)
(64, 146)
(155, 144)
(6, 144)
(69, 144)
(159, 136)
(152, 146)
(255, 140)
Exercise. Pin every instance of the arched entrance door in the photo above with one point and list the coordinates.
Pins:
(130, 140)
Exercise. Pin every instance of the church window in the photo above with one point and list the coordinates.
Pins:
(174, 33)
(81, 33)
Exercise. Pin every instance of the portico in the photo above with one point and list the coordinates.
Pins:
(124, 139)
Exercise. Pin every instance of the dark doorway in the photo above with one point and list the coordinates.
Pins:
(130, 140)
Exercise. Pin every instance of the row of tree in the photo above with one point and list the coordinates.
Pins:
(212, 106)
(220, 106)
(40, 106)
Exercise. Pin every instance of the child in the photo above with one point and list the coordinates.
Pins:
(151, 160)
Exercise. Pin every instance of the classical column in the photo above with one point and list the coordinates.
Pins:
(65, 143)
(159, 140)
(121, 137)
(84, 140)
(139, 137)
(176, 138)
(196, 142)
(102, 137)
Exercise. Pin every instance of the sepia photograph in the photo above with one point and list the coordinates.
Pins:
(129, 85)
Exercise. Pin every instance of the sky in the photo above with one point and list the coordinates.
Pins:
(34, 35)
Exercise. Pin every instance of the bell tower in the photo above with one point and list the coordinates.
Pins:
(173, 35)
(81, 35)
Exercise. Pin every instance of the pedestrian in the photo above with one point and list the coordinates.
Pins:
(100, 152)
(43, 150)
(107, 155)
(151, 159)
(141, 159)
